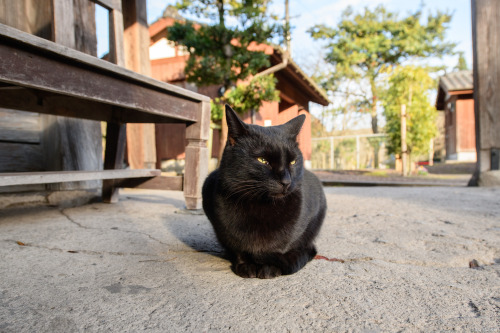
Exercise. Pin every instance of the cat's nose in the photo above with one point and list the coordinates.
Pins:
(285, 181)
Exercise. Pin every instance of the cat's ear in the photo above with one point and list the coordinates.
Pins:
(294, 126)
(236, 127)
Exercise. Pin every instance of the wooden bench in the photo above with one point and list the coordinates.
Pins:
(41, 76)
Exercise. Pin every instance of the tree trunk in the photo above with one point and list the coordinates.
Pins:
(376, 143)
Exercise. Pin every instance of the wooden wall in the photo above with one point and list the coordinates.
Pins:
(466, 134)
(52, 143)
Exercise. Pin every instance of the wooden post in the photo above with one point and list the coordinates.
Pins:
(116, 135)
(404, 148)
(486, 43)
(431, 152)
(70, 144)
(141, 143)
(196, 169)
(332, 153)
(115, 132)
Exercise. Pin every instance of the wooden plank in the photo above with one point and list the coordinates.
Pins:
(23, 68)
(31, 16)
(116, 47)
(63, 23)
(109, 4)
(20, 157)
(40, 46)
(85, 27)
(25, 178)
(174, 183)
(68, 106)
(19, 127)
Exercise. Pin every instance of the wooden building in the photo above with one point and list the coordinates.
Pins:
(296, 91)
(455, 99)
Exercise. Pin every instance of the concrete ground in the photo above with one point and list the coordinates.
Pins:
(391, 259)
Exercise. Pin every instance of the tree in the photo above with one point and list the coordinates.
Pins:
(221, 53)
(363, 46)
(410, 86)
(462, 63)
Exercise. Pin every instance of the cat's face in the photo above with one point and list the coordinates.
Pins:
(261, 162)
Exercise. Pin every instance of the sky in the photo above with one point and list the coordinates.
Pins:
(306, 13)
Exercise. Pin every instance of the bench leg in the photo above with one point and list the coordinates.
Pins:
(116, 137)
(196, 169)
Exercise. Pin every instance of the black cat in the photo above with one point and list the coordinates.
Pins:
(265, 208)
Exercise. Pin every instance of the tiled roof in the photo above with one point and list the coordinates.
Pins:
(461, 80)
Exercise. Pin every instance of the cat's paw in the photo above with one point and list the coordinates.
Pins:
(268, 272)
(246, 270)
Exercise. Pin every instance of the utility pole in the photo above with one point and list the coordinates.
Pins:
(288, 37)
(404, 148)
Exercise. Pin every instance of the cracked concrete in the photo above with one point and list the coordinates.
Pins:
(390, 259)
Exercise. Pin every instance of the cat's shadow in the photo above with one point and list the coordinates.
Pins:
(197, 233)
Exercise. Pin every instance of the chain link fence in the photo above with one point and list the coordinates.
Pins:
(350, 152)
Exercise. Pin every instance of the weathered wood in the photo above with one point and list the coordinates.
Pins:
(141, 145)
(38, 46)
(109, 4)
(486, 46)
(85, 27)
(196, 168)
(22, 178)
(116, 135)
(116, 49)
(31, 70)
(20, 127)
(68, 106)
(56, 76)
(174, 183)
(31, 16)
(63, 23)
(18, 156)
(71, 143)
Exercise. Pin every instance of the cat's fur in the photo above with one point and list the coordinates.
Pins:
(266, 215)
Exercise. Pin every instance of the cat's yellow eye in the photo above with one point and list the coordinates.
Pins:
(262, 160)
(293, 162)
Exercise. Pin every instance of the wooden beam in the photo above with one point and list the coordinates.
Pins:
(39, 46)
(174, 183)
(25, 178)
(109, 4)
(25, 99)
(27, 69)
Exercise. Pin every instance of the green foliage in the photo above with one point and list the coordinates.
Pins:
(410, 85)
(247, 96)
(363, 46)
(219, 53)
(462, 63)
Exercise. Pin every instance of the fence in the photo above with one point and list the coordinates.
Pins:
(350, 152)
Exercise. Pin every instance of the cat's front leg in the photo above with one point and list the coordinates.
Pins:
(245, 266)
